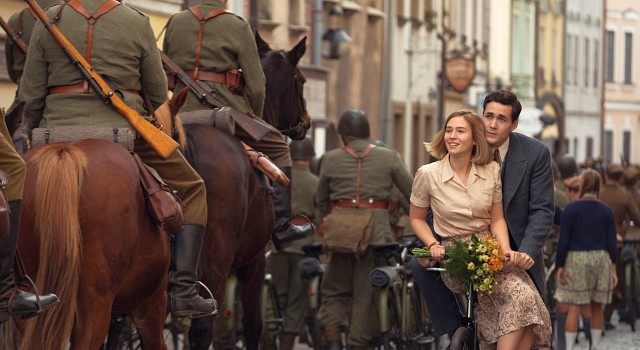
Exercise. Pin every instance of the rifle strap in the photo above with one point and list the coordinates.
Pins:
(202, 19)
(350, 151)
(91, 18)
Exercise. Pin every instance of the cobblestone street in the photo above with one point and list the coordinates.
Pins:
(621, 338)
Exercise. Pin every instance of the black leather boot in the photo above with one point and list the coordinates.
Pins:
(14, 302)
(285, 232)
(185, 253)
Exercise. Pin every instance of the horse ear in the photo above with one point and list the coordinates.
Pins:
(298, 51)
(178, 100)
(263, 47)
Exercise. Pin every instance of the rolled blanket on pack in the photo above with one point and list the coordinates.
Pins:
(384, 276)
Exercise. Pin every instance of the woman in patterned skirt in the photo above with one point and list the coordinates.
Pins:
(585, 259)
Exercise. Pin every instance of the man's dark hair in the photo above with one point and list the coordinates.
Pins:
(505, 97)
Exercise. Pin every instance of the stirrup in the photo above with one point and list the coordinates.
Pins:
(12, 293)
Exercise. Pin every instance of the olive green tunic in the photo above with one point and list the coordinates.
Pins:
(11, 163)
(227, 43)
(22, 23)
(621, 203)
(125, 54)
(346, 289)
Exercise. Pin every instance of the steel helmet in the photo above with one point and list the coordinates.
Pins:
(302, 149)
(354, 123)
(568, 166)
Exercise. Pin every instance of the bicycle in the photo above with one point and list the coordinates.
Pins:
(311, 271)
(402, 314)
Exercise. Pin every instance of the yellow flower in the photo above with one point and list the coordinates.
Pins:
(483, 288)
(471, 266)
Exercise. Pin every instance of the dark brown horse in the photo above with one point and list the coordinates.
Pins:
(241, 215)
(86, 235)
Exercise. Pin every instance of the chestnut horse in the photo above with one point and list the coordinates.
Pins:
(87, 236)
(240, 212)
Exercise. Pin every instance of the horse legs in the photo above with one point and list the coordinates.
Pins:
(149, 320)
(251, 278)
(92, 323)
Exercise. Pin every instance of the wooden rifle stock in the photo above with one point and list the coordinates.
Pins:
(24, 48)
(252, 127)
(161, 143)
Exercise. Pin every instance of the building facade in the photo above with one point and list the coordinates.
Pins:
(621, 76)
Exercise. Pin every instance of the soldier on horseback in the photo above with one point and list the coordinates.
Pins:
(229, 64)
(119, 43)
(14, 302)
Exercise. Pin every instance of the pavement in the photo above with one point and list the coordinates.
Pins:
(620, 338)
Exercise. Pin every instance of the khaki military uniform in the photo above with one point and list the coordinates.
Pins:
(11, 163)
(347, 295)
(283, 266)
(125, 54)
(22, 23)
(228, 43)
(621, 203)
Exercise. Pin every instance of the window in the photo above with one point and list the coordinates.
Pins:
(626, 145)
(628, 56)
(587, 54)
(569, 51)
(608, 146)
(589, 147)
(294, 12)
(609, 57)
(596, 64)
(576, 58)
(3, 63)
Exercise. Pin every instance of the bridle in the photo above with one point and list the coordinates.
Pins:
(294, 103)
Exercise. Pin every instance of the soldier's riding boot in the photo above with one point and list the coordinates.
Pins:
(185, 253)
(286, 232)
(332, 338)
(14, 302)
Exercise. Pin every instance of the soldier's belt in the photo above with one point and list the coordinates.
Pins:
(351, 203)
(232, 79)
(81, 88)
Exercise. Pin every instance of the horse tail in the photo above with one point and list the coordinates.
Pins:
(60, 175)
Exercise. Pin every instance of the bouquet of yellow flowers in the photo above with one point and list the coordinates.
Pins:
(476, 261)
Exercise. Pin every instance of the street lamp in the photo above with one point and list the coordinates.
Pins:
(335, 42)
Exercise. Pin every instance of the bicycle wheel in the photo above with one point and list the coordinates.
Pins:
(393, 339)
(462, 339)
(272, 322)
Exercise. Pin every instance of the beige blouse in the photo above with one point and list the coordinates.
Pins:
(458, 209)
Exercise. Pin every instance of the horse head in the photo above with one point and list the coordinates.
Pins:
(285, 107)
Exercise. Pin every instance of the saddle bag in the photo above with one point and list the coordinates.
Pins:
(4, 206)
(162, 202)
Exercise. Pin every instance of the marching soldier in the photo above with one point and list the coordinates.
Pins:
(57, 94)
(283, 266)
(619, 200)
(354, 190)
(218, 48)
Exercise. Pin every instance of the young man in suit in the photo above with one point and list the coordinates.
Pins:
(527, 189)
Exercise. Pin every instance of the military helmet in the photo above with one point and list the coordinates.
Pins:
(354, 123)
(302, 149)
(567, 166)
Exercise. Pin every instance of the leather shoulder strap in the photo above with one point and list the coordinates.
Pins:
(202, 19)
(107, 6)
(350, 151)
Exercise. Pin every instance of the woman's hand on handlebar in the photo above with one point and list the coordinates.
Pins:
(517, 259)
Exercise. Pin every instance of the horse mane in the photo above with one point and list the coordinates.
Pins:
(61, 228)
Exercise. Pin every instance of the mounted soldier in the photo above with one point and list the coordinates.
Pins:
(57, 94)
(229, 64)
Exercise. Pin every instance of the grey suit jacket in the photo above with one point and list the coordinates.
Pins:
(527, 199)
